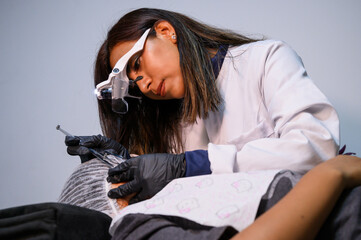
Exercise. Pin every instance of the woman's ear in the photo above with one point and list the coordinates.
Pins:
(163, 28)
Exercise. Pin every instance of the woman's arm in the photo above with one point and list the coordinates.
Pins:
(301, 213)
(291, 123)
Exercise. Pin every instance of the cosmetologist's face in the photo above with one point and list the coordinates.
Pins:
(158, 64)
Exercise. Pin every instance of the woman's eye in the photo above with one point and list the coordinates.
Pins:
(136, 64)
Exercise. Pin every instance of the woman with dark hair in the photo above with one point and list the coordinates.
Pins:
(191, 99)
(198, 93)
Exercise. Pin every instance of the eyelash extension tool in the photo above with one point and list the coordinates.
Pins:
(94, 152)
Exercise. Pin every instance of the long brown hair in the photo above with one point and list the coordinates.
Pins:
(154, 125)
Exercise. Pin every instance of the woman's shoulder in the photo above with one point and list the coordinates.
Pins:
(258, 46)
(262, 49)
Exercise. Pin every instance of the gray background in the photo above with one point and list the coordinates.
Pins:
(47, 52)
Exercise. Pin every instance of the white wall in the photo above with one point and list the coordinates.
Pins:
(47, 51)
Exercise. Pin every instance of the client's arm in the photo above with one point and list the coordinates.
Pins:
(301, 213)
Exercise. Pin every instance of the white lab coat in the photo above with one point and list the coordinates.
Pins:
(273, 116)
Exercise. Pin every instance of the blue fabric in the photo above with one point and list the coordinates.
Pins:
(197, 163)
(217, 60)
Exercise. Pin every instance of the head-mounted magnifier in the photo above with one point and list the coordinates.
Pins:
(116, 87)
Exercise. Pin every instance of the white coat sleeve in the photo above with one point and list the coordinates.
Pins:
(306, 126)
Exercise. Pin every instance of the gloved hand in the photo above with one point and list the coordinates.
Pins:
(79, 145)
(146, 175)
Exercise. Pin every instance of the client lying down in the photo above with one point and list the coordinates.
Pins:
(237, 199)
(87, 187)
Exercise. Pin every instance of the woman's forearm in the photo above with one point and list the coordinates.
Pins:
(301, 213)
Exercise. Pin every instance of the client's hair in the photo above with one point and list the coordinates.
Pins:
(87, 187)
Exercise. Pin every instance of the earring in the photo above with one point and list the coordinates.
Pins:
(173, 36)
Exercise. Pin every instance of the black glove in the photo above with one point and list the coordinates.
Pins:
(146, 175)
(79, 145)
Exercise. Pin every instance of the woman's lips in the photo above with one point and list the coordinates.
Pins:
(161, 89)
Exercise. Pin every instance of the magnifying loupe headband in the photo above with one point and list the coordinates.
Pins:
(117, 85)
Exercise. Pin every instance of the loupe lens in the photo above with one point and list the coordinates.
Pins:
(119, 106)
(106, 93)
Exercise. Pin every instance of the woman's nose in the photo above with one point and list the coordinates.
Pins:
(144, 84)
